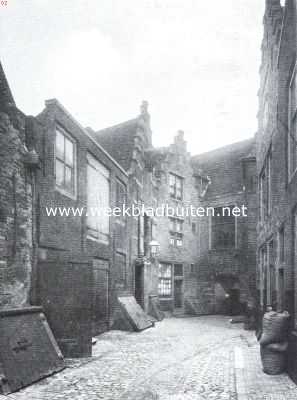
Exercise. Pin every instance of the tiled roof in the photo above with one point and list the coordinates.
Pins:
(6, 98)
(118, 141)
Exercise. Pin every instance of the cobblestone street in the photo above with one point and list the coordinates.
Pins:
(180, 358)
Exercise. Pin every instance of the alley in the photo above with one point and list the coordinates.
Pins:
(180, 358)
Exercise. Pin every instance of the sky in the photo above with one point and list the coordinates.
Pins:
(196, 62)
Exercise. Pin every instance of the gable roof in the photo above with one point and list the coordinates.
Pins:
(118, 141)
(86, 131)
(6, 97)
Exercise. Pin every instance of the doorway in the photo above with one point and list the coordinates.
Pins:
(139, 284)
(178, 285)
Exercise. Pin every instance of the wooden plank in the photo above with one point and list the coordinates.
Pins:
(134, 313)
(28, 349)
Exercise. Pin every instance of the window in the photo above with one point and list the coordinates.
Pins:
(292, 137)
(165, 280)
(193, 227)
(223, 228)
(249, 176)
(98, 193)
(192, 268)
(265, 188)
(65, 162)
(281, 244)
(176, 187)
(176, 231)
(121, 198)
(178, 270)
(201, 184)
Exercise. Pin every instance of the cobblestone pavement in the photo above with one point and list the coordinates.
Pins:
(258, 385)
(179, 359)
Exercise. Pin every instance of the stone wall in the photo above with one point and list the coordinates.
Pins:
(16, 234)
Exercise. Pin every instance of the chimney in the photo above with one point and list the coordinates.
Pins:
(179, 141)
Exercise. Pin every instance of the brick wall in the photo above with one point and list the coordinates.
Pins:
(221, 270)
(176, 160)
(65, 239)
(278, 58)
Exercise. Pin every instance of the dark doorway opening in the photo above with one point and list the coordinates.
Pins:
(139, 284)
(178, 285)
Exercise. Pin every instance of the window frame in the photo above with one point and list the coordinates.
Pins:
(100, 236)
(167, 279)
(176, 235)
(121, 219)
(63, 189)
(177, 178)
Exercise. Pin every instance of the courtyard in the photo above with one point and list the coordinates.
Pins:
(180, 358)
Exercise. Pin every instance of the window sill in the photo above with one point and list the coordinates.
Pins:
(176, 200)
(93, 239)
(71, 196)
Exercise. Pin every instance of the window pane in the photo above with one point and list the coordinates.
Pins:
(68, 152)
(165, 270)
(171, 225)
(60, 145)
(171, 180)
(179, 226)
(59, 173)
(103, 203)
(98, 199)
(69, 179)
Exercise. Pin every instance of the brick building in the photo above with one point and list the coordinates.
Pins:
(226, 257)
(130, 143)
(192, 273)
(75, 171)
(176, 232)
(276, 165)
(80, 264)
